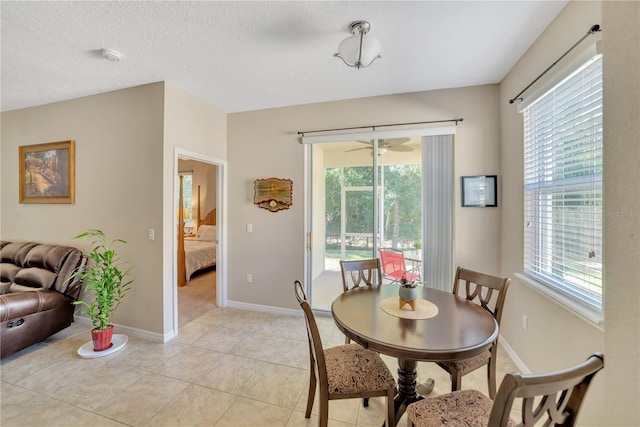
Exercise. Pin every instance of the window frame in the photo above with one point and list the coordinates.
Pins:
(562, 292)
(187, 204)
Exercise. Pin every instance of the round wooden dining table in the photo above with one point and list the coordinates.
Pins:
(460, 329)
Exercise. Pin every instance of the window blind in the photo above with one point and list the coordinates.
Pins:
(563, 186)
(438, 206)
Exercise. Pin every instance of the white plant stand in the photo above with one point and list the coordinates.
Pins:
(118, 341)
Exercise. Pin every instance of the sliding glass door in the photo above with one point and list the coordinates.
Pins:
(368, 194)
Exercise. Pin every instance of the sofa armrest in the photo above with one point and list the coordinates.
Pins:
(74, 286)
(20, 304)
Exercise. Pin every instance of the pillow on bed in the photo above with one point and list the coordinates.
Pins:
(207, 233)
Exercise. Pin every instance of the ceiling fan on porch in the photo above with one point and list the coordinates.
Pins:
(384, 145)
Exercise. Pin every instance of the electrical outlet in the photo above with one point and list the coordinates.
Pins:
(525, 322)
(249, 278)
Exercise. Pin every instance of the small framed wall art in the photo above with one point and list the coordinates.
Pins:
(47, 172)
(273, 194)
(479, 191)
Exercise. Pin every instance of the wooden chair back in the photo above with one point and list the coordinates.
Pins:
(480, 288)
(551, 398)
(355, 372)
(313, 334)
(363, 272)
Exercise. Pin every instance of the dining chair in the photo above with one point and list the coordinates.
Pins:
(343, 372)
(394, 266)
(363, 272)
(552, 398)
(490, 292)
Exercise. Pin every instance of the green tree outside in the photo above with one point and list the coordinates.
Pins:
(402, 204)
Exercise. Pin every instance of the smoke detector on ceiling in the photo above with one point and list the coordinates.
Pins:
(111, 54)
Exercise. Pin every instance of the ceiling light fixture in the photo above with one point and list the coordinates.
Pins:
(354, 51)
(111, 54)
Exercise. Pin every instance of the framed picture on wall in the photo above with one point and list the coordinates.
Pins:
(47, 172)
(479, 191)
(273, 194)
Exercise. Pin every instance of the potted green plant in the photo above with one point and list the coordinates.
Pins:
(417, 246)
(105, 286)
(408, 292)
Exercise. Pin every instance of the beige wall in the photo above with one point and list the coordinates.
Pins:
(125, 183)
(118, 170)
(195, 127)
(556, 338)
(621, 28)
(192, 124)
(265, 143)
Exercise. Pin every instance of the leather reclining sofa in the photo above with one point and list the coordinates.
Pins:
(37, 291)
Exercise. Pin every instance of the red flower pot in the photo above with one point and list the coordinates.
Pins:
(102, 339)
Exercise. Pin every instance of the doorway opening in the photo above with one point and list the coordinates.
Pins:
(199, 271)
(197, 262)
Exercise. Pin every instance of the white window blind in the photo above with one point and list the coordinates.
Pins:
(563, 186)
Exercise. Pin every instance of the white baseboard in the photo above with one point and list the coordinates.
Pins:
(163, 338)
(522, 368)
(264, 308)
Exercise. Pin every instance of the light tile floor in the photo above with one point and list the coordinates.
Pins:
(227, 367)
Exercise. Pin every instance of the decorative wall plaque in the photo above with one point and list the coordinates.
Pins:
(273, 194)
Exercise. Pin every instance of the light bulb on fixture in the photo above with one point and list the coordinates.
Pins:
(354, 51)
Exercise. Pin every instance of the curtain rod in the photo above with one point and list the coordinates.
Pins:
(594, 29)
(373, 127)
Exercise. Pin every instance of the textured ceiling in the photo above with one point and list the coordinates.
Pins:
(240, 55)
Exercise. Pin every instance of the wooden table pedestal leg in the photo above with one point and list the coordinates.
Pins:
(407, 381)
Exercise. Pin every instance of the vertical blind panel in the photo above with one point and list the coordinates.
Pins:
(437, 181)
(563, 186)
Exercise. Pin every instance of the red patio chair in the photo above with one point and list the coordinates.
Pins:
(394, 266)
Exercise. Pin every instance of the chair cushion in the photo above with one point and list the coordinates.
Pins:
(353, 369)
(468, 364)
(463, 408)
(34, 277)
